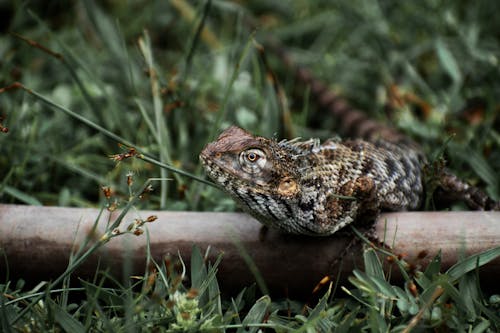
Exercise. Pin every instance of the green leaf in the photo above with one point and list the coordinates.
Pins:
(214, 290)
(377, 322)
(67, 322)
(434, 266)
(6, 313)
(448, 61)
(198, 269)
(255, 315)
(469, 290)
(373, 266)
(478, 163)
(472, 262)
(22, 196)
(431, 272)
(451, 291)
(348, 322)
(108, 296)
(384, 287)
(236, 306)
(362, 281)
(321, 306)
(491, 314)
(481, 327)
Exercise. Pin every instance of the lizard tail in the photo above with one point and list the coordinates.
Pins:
(460, 190)
(354, 123)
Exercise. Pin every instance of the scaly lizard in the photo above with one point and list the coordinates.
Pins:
(305, 187)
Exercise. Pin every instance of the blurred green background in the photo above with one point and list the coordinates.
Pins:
(169, 75)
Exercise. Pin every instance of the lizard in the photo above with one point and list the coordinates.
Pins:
(305, 187)
(313, 188)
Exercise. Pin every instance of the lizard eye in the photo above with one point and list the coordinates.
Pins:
(253, 159)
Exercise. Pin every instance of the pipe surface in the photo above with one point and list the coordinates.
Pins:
(37, 242)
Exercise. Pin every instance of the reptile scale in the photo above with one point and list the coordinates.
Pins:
(312, 188)
(305, 187)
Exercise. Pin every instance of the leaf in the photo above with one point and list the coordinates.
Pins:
(67, 322)
(472, 262)
(108, 296)
(461, 302)
(434, 266)
(321, 306)
(384, 287)
(6, 314)
(491, 314)
(480, 166)
(481, 327)
(198, 269)
(255, 315)
(214, 290)
(236, 306)
(348, 322)
(373, 266)
(469, 290)
(448, 61)
(21, 196)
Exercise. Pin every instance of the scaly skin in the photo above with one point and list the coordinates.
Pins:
(305, 187)
(354, 123)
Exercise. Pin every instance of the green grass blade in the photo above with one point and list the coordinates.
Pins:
(373, 266)
(67, 322)
(5, 316)
(111, 135)
(255, 315)
(472, 262)
(21, 196)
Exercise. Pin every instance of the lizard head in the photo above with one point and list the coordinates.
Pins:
(254, 170)
(239, 157)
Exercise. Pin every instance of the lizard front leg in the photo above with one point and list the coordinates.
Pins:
(356, 200)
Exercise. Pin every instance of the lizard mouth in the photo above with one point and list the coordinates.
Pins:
(206, 154)
(213, 169)
(207, 159)
(206, 162)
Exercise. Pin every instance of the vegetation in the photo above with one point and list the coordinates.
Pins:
(163, 77)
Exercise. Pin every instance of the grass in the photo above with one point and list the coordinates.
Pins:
(169, 299)
(164, 77)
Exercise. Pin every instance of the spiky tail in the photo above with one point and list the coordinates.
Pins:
(473, 197)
